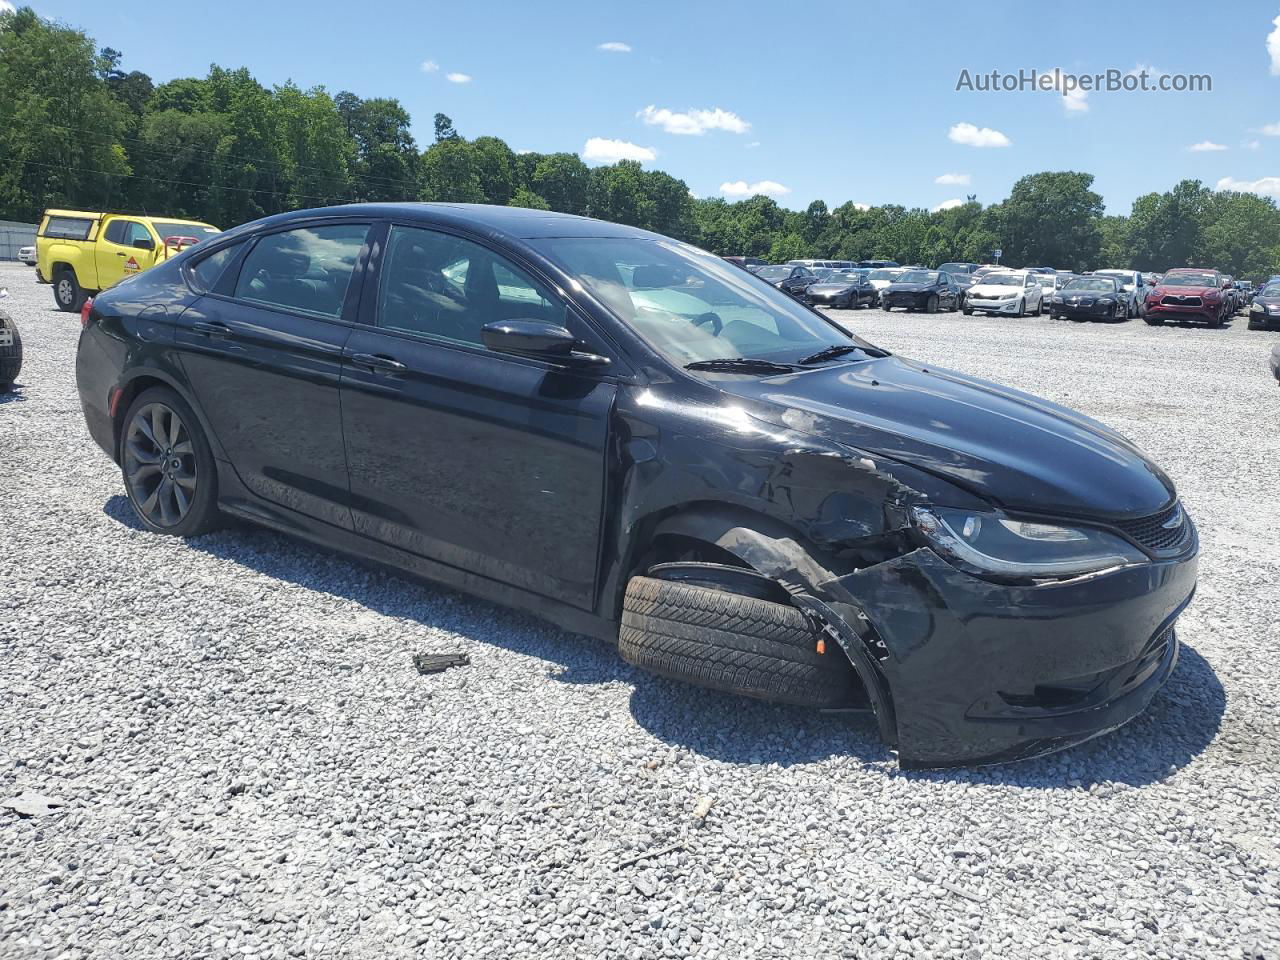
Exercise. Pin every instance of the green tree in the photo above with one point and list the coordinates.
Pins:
(451, 172)
(524, 197)
(385, 165)
(563, 179)
(496, 168)
(1051, 219)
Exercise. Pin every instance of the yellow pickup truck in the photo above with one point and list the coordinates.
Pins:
(81, 253)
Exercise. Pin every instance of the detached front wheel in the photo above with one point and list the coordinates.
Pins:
(731, 642)
(168, 467)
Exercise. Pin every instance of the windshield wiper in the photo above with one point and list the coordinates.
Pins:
(839, 350)
(740, 365)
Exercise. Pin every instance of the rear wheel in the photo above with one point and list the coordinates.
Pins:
(730, 642)
(67, 292)
(168, 467)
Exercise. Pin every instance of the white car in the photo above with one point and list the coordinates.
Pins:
(1014, 292)
(1132, 286)
(27, 255)
(883, 277)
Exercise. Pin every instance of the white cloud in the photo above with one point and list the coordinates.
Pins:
(1273, 48)
(430, 66)
(457, 78)
(1263, 187)
(949, 204)
(602, 150)
(693, 122)
(1252, 144)
(862, 206)
(740, 188)
(1270, 129)
(6, 7)
(1076, 101)
(1206, 146)
(615, 46)
(953, 179)
(971, 136)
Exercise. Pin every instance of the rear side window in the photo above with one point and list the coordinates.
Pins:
(68, 228)
(205, 274)
(307, 270)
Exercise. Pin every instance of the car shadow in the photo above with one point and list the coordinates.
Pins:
(1179, 724)
(14, 394)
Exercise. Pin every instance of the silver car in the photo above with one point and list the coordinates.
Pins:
(27, 255)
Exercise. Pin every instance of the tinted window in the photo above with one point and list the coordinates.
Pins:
(115, 231)
(307, 269)
(68, 228)
(206, 273)
(443, 286)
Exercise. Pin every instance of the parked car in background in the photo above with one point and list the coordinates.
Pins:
(1188, 294)
(883, 277)
(1264, 312)
(1048, 283)
(27, 255)
(1247, 290)
(1275, 361)
(747, 263)
(848, 289)
(958, 270)
(1062, 278)
(1089, 298)
(877, 264)
(1230, 294)
(927, 290)
(81, 253)
(728, 485)
(1132, 286)
(1013, 292)
(791, 279)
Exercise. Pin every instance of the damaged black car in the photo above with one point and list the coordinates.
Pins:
(641, 442)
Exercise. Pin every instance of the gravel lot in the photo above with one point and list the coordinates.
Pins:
(249, 765)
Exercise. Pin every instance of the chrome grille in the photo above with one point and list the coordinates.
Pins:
(1181, 301)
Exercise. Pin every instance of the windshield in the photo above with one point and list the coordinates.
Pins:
(917, 276)
(1047, 280)
(201, 231)
(1190, 280)
(882, 274)
(846, 276)
(774, 273)
(1271, 290)
(1002, 280)
(955, 269)
(1098, 285)
(690, 305)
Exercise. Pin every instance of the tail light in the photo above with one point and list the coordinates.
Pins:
(84, 313)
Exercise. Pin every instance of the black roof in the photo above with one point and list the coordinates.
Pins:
(508, 222)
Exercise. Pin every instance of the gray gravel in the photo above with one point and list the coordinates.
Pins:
(224, 749)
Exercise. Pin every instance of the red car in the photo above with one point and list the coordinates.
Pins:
(1189, 294)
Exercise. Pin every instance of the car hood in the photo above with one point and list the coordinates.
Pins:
(1016, 450)
(830, 287)
(996, 288)
(909, 287)
(1175, 292)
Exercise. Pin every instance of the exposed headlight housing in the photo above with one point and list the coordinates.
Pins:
(995, 546)
(1107, 300)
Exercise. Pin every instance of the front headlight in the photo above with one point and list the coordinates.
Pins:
(1106, 301)
(993, 545)
(1056, 300)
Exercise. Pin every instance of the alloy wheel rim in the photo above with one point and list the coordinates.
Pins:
(64, 290)
(160, 465)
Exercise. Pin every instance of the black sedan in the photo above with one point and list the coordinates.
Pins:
(643, 443)
(843, 288)
(1264, 312)
(787, 278)
(927, 290)
(1096, 297)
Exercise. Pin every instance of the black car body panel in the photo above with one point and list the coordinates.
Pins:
(916, 295)
(546, 486)
(1264, 310)
(1078, 303)
(849, 294)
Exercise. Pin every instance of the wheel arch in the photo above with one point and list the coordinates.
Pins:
(138, 380)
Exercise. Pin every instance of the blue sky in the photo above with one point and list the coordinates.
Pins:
(839, 101)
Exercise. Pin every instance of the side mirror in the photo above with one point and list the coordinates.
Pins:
(144, 243)
(539, 340)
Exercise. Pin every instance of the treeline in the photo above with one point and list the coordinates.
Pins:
(78, 130)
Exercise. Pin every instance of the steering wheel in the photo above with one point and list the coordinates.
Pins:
(712, 318)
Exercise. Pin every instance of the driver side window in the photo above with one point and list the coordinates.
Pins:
(444, 286)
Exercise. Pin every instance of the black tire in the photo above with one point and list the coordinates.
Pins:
(1120, 314)
(201, 515)
(733, 643)
(67, 292)
(10, 355)
(1022, 307)
(967, 311)
(931, 305)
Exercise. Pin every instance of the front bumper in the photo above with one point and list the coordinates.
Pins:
(1264, 318)
(980, 672)
(993, 306)
(1091, 311)
(828, 299)
(1201, 312)
(911, 301)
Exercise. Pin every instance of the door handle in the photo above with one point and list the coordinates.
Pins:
(378, 363)
(119, 254)
(213, 329)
